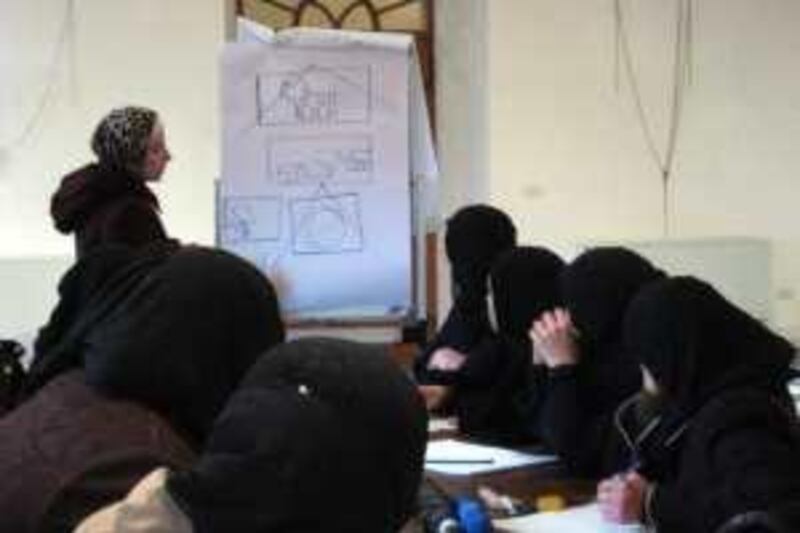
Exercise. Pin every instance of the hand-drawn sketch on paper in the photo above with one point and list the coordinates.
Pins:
(314, 95)
(328, 224)
(250, 219)
(331, 146)
(310, 160)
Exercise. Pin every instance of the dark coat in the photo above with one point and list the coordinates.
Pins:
(726, 439)
(465, 328)
(499, 390)
(499, 393)
(581, 400)
(740, 453)
(576, 418)
(103, 206)
(70, 451)
(476, 235)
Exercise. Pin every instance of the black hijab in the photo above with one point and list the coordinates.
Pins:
(322, 435)
(525, 283)
(475, 235)
(181, 341)
(173, 328)
(500, 391)
(697, 344)
(96, 283)
(598, 286)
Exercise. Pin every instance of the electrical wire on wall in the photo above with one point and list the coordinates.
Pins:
(682, 76)
(64, 41)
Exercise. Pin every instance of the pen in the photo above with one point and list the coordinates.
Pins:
(461, 461)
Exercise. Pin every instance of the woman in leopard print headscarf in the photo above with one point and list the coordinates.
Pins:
(108, 201)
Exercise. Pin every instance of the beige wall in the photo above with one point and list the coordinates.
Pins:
(567, 158)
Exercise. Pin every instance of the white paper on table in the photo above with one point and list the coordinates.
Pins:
(581, 519)
(451, 451)
(442, 424)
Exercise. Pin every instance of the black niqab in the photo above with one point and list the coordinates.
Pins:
(475, 235)
(598, 286)
(696, 343)
(524, 283)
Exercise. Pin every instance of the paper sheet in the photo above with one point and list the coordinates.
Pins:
(581, 519)
(442, 424)
(320, 144)
(450, 456)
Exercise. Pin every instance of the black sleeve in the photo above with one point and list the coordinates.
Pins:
(742, 455)
(497, 397)
(81, 287)
(580, 436)
(467, 324)
(485, 363)
(758, 469)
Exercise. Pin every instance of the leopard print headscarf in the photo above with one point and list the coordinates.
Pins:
(120, 140)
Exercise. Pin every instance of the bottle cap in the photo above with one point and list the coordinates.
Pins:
(472, 516)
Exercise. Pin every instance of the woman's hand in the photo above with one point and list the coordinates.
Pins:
(553, 337)
(446, 359)
(621, 498)
(435, 396)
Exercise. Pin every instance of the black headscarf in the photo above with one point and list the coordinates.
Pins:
(697, 344)
(525, 283)
(95, 284)
(475, 235)
(598, 286)
(182, 340)
(176, 331)
(499, 391)
(322, 435)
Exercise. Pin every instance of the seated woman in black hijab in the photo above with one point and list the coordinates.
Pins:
(140, 358)
(322, 436)
(590, 373)
(499, 390)
(723, 453)
(475, 236)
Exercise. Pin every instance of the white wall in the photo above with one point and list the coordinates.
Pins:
(461, 111)
(462, 114)
(157, 53)
(567, 158)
